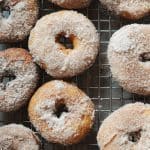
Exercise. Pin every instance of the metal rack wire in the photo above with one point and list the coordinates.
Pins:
(97, 82)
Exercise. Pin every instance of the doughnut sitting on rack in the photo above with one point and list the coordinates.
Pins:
(61, 112)
(18, 137)
(128, 128)
(129, 58)
(129, 9)
(53, 56)
(71, 4)
(16, 65)
(17, 17)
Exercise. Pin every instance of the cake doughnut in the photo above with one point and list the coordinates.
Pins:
(61, 112)
(71, 4)
(18, 19)
(17, 64)
(18, 137)
(129, 58)
(54, 57)
(128, 128)
(129, 9)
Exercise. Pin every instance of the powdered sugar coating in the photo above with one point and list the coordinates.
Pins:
(125, 49)
(71, 126)
(16, 62)
(59, 85)
(121, 40)
(71, 4)
(23, 15)
(18, 137)
(115, 130)
(51, 56)
(131, 9)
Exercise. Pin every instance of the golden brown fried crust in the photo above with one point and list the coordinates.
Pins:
(15, 54)
(72, 4)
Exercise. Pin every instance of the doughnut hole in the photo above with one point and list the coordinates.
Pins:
(66, 43)
(60, 108)
(144, 57)
(4, 10)
(134, 136)
(6, 79)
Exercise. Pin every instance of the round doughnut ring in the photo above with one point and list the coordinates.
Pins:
(17, 18)
(129, 58)
(61, 112)
(18, 137)
(52, 55)
(128, 128)
(17, 68)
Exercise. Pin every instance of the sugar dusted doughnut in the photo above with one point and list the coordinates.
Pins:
(61, 112)
(18, 137)
(128, 128)
(129, 58)
(71, 4)
(55, 58)
(22, 16)
(16, 63)
(130, 9)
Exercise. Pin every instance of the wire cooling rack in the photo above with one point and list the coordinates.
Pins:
(97, 82)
